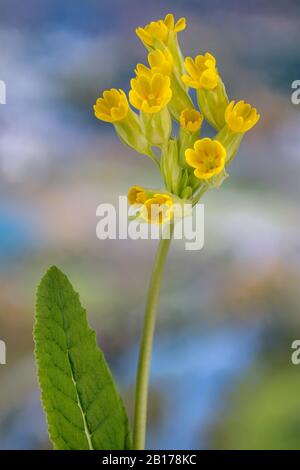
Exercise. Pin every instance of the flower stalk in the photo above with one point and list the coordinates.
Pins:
(142, 382)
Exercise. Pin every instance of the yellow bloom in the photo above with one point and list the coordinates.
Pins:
(142, 69)
(159, 30)
(207, 157)
(158, 209)
(150, 93)
(240, 116)
(159, 61)
(202, 72)
(112, 107)
(180, 24)
(155, 207)
(136, 195)
(191, 120)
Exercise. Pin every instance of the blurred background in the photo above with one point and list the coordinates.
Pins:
(222, 376)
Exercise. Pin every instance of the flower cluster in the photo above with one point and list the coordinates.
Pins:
(189, 164)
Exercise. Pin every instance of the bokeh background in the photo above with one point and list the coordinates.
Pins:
(222, 376)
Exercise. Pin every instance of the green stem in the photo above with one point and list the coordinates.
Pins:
(198, 195)
(142, 382)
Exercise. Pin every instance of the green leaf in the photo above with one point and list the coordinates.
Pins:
(83, 407)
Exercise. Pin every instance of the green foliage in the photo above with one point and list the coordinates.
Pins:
(83, 407)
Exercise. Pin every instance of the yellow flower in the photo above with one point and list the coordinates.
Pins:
(112, 107)
(180, 24)
(142, 69)
(136, 195)
(240, 116)
(202, 72)
(158, 209)
(159, 61)
(150, 93)
(191, 120)
(159, 30)
(154, 207)
(207, 157)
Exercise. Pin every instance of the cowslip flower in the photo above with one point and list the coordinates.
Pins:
(162, 34)
(150, 93)
(158, 209)
(161, 61)
(202, 72)
(136, 195)
(211, 94)
(241, 116)
(191, 120)
(112, 106)
(160, 30)
(153, 206)
(207, 157)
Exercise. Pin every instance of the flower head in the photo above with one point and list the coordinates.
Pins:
(150, 93)
(207, 157)
(112, 106)
(136, 195)
(158, 209)
(159, 30)
(240, 116)
(191, 119)
(202, 72)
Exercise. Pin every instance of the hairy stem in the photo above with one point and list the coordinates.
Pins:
(142, 383)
